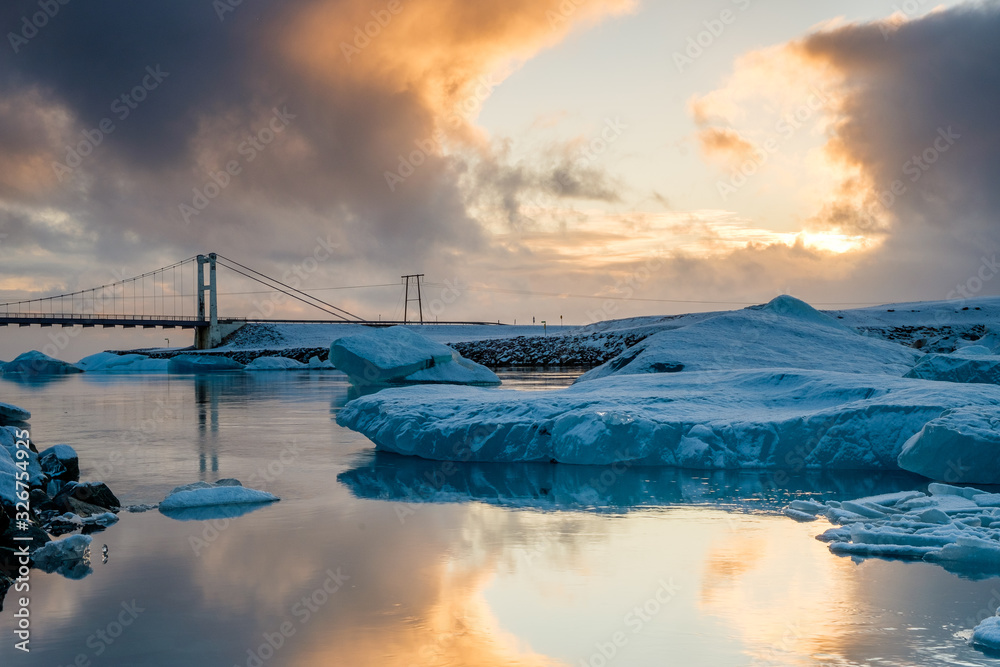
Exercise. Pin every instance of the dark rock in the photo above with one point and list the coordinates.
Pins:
(38, 537)
(91, 493)
(60, 462)
(229, 481)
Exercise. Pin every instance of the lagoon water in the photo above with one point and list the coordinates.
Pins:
(390, 561)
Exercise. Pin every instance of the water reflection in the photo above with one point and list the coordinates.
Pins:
(617, 488)
(533, 572)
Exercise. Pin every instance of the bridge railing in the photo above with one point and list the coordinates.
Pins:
(97, 316)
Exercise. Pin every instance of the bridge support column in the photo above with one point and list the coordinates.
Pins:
(207, 337)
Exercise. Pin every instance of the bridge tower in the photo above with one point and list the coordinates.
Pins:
(207, 337)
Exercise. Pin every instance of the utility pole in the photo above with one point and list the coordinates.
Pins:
(406, 295)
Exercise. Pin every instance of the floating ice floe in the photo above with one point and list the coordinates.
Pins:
(35, 363)
(970, 364)
(955, 527)
(785, 333)
(275, 364)
(397, 355)
(700, 420)
(109, 362)
(203, 500)
(202, 363)
(987, 634)
(962, 445)
(69, 557)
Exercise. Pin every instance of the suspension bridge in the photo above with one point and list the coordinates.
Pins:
(162, 299)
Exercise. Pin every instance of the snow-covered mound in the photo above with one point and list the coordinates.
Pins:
(275, 364)
(785, 333)
(202, 363)
(956, 527)
(203, 494)
(973, 363)
(399, 355)
(701, 420)
(36, 363)
(962, 445)
(108, 362)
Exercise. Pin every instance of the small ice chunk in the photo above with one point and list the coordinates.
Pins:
(202, 363)
(275, 364)
(987, 499)
(810, 506)
(987, 633)
(881, 550)
(216, 495)
(798, 515)
(938, 489)
(862, 509)
(69, 557)
(934, 515)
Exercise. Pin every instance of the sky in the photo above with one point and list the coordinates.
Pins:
(590, 159)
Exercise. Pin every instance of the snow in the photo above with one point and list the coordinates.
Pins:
(275, 364)
(955, 527)
(701, 420)
(109, 362)
(12, 413)
(186, 498)
(785, 333)
(973, 363)
(398, 354)
(8, 444)
(36, 363)
(202, 363)
(987, 633)
(961, 445)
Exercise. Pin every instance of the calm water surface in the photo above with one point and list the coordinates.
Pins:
(390, 561)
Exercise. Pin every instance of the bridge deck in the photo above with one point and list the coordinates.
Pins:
(175, 322)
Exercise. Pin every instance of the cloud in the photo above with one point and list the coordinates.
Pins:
(363, 88)
(726, 144)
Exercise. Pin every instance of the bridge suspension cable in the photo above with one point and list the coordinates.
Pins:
(313, 301)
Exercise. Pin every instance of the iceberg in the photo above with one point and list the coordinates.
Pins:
(785, 333)
(399, 355)
(768, 418)
(35, 363)
(969, 364)
(203, 500)
(961, 445)
(202, 363)
(109, 362)
(275, 364)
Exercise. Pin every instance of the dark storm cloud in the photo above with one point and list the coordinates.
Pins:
(919, 115)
